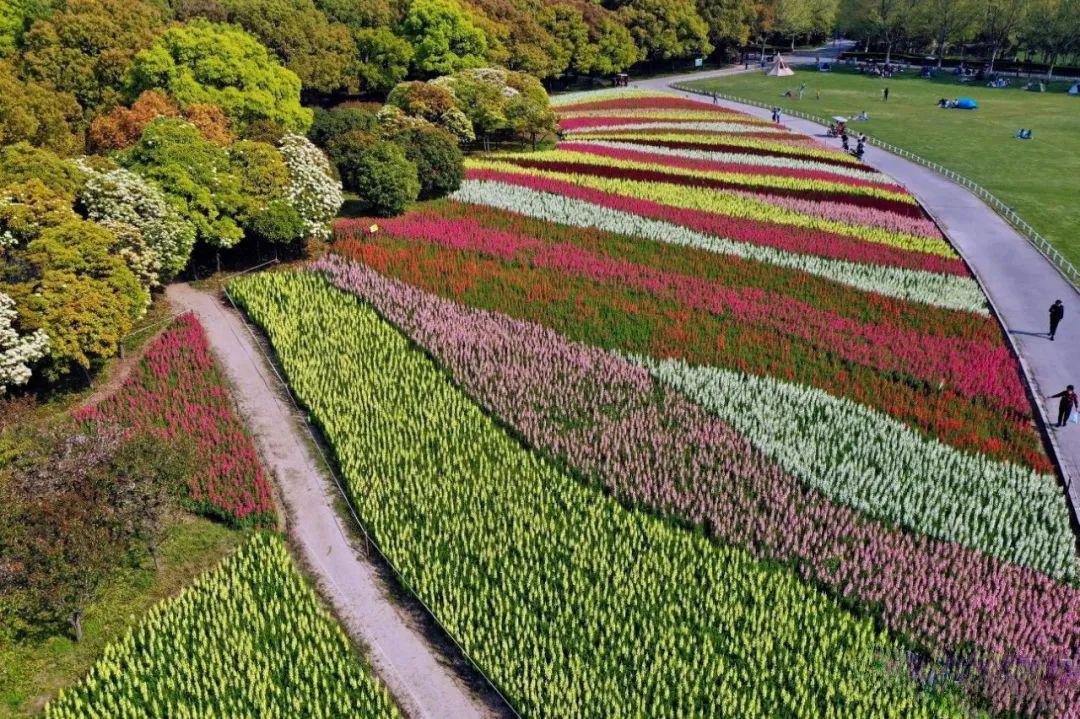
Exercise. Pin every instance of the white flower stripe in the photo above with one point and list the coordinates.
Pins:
(862, 458)
(948, 291)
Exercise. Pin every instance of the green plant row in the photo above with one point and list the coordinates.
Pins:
(249, 639)
(573, 604)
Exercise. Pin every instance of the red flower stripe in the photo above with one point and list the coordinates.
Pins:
(647, 103)
(177, 392)
(971, 368)
(689, 163)
(742, 149)
(570, 124)
(734, 271)
(783, 237)
(617, 317)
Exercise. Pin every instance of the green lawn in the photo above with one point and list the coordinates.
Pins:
(1039, 178)
(31, 673)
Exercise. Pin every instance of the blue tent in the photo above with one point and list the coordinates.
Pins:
(966, 103)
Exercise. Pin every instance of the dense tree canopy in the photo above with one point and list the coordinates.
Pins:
(444, 37)
(667, 29)
(87, 47)
(36, 114)
(222, 65)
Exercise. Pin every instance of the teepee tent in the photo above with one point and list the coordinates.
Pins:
(780, 68)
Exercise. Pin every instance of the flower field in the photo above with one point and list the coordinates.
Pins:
(609, 401)
(178, 392)
(248, 639)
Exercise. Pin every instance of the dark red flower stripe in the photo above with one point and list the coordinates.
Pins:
(647, 124)
(641, 175)
(647, 103)
(579, 123)
(616, 317)
(177, 392)
(689, 163)
(784, 237)
(971, 368)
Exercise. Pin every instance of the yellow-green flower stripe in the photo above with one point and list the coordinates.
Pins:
(573, 604)
(248, 639)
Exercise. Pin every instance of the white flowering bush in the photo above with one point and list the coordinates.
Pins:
(313, 191)
(17, 352)
(122, 196)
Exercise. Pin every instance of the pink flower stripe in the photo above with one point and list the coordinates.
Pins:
(783, 237)
(673, 178)
(608, 420)
(852, 215)
(789, 140)
(579, 123)
(689, 163)
(177, 392)
(646, 103)
(972, 368)
(643, 124)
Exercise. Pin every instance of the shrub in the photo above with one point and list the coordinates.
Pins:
(438, 159)
(377, 171)
(18, 351)
(21, 162)
(37, 114)
(329, 125)
(121, 196)
(313, 191)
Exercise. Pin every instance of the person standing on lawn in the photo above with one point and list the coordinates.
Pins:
(885, 94)
(1057, 312)
(1065, 406)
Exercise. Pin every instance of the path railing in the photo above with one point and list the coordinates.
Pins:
(1059, 261)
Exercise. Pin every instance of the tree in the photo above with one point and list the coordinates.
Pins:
(41, 116)
(196, 176)
(793, 19)
(263, 179)
(435, 103)
(1001, 20)
(312, 191)
(440, 166)
(377, 171)
(616, 49)
(207, 63)
(358, 14)
(79, 291)
(729, 21)
(27, 208)
(946, 22)
(18, 351)
(443, 36)
(16, 16)
(122, 127)
(520, 29)
(318, 51)
(889, 20)
(21, 162)
(762, 20)
(666, 29)
(382, 59)
(1053, 28)
(122, 197)
(331, 124)
(86, 48)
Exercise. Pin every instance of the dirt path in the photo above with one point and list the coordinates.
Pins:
(421, 679)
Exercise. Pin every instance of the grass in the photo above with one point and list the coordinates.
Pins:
(33, 672)
(1038, 178)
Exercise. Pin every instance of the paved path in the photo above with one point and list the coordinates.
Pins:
(423, 686)
(1019, 281)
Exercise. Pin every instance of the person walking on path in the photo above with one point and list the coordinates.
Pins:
(1065, 406)
(1057, 312)
(884, 94)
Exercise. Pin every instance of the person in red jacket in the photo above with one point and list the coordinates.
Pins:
(1065, 406)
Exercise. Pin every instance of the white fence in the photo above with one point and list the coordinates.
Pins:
(1064, 266)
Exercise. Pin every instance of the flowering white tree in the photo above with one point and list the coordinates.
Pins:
(17, 352)
(124, 197)
(313, 190)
